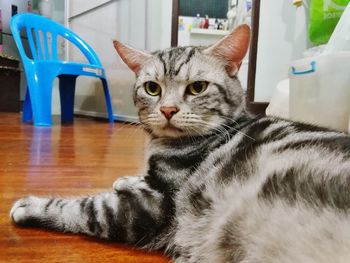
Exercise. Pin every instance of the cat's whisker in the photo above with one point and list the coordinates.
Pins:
(228, 127)
(193, 129)
(238, 131)
(219, 129)
(125, 125)
(231, 119)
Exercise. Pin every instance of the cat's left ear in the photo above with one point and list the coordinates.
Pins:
(132, 57)
(232, 48)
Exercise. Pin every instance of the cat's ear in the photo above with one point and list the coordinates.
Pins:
(232, 48)
(133, 58)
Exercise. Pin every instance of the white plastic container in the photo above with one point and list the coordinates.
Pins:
(320, 90)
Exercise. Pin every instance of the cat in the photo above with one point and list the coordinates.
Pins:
(220, 185)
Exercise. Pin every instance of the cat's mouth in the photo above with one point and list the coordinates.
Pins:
(171, 127)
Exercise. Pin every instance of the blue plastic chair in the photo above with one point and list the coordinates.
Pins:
(44, 66)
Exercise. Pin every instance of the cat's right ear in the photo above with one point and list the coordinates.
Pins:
(133, 58)
(232, 48)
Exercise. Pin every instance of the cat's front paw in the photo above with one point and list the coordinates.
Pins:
(136, 188)
(26, 209)
(131, 184)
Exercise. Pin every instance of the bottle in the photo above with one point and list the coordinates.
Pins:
(216, 23)
(220, 25)
(181, 24)
(201, 23)
(29, 7)
(197, 21)
(206, 22)
(225, 24)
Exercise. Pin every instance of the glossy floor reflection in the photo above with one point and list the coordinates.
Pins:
(76, 159)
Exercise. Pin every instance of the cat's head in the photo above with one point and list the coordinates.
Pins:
(186, 91)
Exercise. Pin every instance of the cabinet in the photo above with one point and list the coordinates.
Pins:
(10, 81)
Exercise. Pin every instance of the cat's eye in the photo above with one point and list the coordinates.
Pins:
(197, 87)
(152, 88)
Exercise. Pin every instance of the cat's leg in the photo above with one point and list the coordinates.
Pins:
(93, 215)
(131, 184)
(134, 216)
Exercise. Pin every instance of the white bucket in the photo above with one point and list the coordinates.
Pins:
(320, 90)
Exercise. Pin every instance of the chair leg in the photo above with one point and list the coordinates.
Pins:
(108, 100)
(67, 92)
(27, 114)
(40, 95)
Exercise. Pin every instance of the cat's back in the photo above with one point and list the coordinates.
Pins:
(272, 172)
(269, 146)
(270, 152)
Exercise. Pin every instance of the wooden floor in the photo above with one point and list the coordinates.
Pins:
(76, 159)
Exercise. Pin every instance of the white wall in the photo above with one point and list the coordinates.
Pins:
(98, 28)
(58, 16)
(143, 24)
(282, 39)
(158, 29)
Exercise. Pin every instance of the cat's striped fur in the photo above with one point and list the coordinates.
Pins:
(220, 185)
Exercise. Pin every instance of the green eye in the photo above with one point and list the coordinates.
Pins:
(152, 88)
(197, 87)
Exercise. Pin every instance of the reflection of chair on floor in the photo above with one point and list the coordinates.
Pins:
(44, 66)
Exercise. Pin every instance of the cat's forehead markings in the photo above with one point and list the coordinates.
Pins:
(183, 60)
(162, 60)
(170, 59)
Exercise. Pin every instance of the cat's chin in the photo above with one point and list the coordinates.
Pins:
(169, 131)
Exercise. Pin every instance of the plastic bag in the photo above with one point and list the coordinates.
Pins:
(324, 16)
(340, 39)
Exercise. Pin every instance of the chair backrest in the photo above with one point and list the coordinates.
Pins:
(39, 29)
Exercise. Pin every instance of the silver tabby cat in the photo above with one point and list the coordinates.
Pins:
(220, 185)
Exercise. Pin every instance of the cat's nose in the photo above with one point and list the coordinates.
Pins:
(169, 112)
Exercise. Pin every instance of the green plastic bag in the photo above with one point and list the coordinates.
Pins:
(324, 16)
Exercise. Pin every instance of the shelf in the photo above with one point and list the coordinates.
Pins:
(209, 31)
